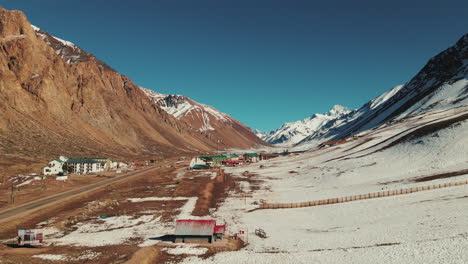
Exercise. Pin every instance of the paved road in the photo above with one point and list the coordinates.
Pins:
(44, 201)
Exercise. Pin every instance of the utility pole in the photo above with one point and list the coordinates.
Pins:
(44, 183)
(13, 192)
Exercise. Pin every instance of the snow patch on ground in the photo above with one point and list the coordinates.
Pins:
(117, 230)
(51, 257)
(114, 231)
(149, 199)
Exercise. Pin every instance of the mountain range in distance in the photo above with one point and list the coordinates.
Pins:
(57, 99)
(440, 86)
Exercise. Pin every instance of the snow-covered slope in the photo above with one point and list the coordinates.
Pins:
(423, 227)
(441, 85)
(293, 132)
(181, 106)
(261, 134)
(213, 123)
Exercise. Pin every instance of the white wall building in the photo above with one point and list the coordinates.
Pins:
(55, 167)
(197, 161)
(85, 165)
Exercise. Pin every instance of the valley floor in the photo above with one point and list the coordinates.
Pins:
(130, 222)
(422, 227)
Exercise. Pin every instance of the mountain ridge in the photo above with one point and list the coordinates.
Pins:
(291, 133)
(446, 73)
(57, 99)
(213, 123)
(440, 85)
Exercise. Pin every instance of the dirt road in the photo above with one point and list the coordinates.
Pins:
(47, 200)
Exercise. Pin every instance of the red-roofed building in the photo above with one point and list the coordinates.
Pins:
(198, 231)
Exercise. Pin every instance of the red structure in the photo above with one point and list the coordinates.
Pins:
(232, 162)
(198, 231)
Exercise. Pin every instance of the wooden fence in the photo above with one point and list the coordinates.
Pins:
(360, 196)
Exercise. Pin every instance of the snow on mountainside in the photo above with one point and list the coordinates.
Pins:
(261, 134)
(293, 132)
(440, 86)
(69, 52)
(214, 124)
(324, 133)
(181, 106)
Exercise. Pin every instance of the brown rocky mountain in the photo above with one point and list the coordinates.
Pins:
(215, 125)
(56, 99)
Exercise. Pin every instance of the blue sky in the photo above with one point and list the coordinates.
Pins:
(263, 62)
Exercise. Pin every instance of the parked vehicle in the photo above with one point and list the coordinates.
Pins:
(30, 237)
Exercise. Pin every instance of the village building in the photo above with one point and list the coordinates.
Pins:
(55, 167)
(210, 161)
(198, 231)
(30, 237)
(111, 165)
(85, 165)
(252, 157)
(266, 156)
(218, 160)
(233, 157)
(198, 161)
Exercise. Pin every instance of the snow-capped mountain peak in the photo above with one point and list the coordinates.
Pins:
(180, 106)
(261, 134)
(214, 124)
(442, 85)
(337, 110)
(293, 132)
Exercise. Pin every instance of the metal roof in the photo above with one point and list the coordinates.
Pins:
(200, 166)
(251, 155)
(82, 160)
(195, 227)
(220, 229)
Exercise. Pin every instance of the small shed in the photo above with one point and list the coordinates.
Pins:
(30, 237)
(198, 231)
(219, 231)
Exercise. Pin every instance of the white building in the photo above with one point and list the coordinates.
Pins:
(55, 167)
(112, 165)
(197, 161)
(85, 165)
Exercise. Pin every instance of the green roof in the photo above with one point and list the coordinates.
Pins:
(219, 157)
(199, 166)
(251, 155)
(82, 160)
(233, 155)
